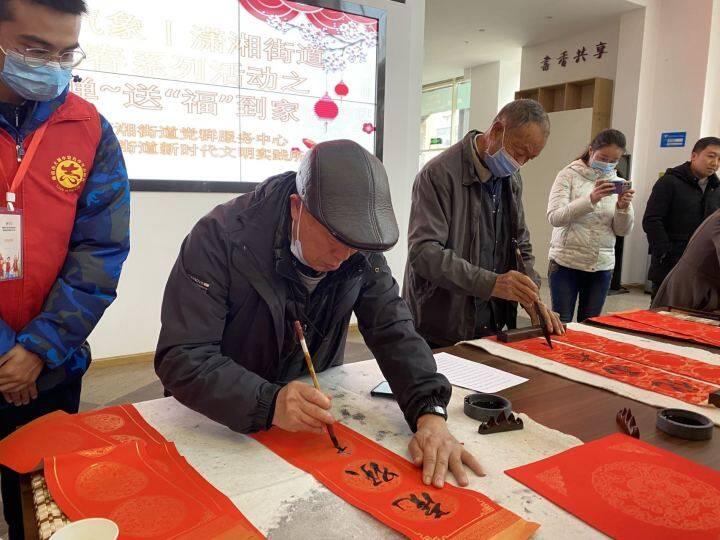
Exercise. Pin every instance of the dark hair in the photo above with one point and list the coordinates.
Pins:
(524, 111)
(73, 7)
(703, 143)
(607, 137)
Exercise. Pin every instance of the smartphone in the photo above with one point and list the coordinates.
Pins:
(382, 390)
(621, 186)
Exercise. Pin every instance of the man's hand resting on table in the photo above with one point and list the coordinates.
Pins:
(436, 450)
(300, 407)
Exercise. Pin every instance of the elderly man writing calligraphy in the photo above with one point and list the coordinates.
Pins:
(303, 246)
(461, 277)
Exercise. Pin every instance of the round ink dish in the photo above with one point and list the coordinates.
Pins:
(483, 407)
(684, 424)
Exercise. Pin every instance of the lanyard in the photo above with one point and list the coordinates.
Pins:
(22, 169)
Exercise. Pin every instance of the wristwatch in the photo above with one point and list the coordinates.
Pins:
(437, 410)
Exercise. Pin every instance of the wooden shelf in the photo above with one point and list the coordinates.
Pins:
(528, 94)
(593, 94)
(552, 98)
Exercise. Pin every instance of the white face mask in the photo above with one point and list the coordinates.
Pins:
(295, 245)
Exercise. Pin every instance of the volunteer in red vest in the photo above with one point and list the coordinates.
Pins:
(64, 214)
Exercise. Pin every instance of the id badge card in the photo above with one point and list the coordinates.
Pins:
(11, 245)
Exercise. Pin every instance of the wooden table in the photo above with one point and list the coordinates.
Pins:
(585, 411)
(562, 404)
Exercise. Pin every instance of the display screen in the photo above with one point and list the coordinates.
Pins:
(219, 95)
(308, 74)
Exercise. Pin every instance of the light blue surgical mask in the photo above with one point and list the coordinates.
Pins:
(295, 245)
(603, 167)
(501, 163)
(43, 83)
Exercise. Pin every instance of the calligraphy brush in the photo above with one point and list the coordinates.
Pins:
(316, 383)
(536, 305)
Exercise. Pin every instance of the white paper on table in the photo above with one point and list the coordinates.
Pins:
(475, 376)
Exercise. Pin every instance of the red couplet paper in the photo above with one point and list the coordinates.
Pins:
(626, 488)
(60, 433)
(674, 363)
(149, 491)
(650, 322)
(627, 371)
(390, 488)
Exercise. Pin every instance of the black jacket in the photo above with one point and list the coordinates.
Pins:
(676, 207)
(226, 345)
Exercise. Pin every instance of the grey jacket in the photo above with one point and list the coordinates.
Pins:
(695, 281)
(227, 346)
(443, 276)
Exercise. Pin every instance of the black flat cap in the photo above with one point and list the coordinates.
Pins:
(346, 189)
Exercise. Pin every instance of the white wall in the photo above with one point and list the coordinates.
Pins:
(670, 98)
(492, 85)
(532, 76)
(711, 108)
(509, 79)
(161, 220)
(484, 92)
(627, 75)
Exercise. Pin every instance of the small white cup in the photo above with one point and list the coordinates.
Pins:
(88, 529)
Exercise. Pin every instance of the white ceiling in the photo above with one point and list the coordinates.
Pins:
(464, 33)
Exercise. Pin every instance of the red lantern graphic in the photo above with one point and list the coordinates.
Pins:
(341, 89)
(326, 109)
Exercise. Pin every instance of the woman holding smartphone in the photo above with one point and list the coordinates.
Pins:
(589, 206)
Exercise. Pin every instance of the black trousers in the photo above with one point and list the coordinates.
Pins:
(654, 288)
(65, 397)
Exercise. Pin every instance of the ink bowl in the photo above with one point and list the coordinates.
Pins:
(483, 407)
(685, 424)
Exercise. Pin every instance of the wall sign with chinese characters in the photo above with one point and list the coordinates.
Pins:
(307, 74)
(582, 54)
(167, 80)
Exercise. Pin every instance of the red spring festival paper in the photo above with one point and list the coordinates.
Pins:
(149, 491)
(389, 488)
(612, 364)
(674, 363)
(111, 463)
(649, 322)
(60, 433)
(629, 489)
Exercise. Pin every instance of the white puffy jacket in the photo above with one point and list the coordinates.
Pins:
(584, 234)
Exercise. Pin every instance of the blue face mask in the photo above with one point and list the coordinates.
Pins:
(603, 167)
(501, 163)
(295, 245)
(43, 83)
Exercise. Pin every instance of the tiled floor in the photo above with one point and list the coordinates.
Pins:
(131, 383)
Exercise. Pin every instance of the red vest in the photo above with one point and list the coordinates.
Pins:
(48, 198)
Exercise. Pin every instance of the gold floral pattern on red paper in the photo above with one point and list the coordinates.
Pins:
(658, 495)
